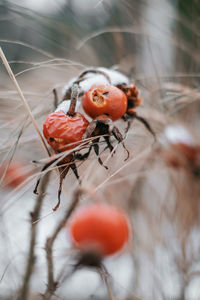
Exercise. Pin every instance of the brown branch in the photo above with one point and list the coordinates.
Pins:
(52, 284)
(56, 100)
(104, 276)
(24, 292)
(74, 97)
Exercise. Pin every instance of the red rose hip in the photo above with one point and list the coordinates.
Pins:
(60, 130)
(105, 100)
(100, 227)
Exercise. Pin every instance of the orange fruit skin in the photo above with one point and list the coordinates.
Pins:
(101, 227)
(113, 102)
(70, 129)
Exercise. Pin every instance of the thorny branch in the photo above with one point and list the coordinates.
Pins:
(24, 292)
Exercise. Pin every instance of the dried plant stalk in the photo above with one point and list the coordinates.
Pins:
(24, 292)
(12, 76)
(52, 284)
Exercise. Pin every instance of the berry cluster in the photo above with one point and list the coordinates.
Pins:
(106, 96)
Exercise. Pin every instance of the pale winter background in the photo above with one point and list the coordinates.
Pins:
(156, 44)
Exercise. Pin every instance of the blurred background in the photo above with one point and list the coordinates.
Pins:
(156, 44)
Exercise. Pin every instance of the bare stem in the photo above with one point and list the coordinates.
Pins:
(55, 98)
(31, 256)
(74, 97)
(52, 284)
(103, 274)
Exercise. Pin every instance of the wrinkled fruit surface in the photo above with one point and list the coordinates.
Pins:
(60, 130)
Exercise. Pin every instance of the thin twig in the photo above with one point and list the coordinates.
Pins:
(52, 284)
(56, 101)
(12, 76)
(74, 97)
(104, 277)
(31, 256)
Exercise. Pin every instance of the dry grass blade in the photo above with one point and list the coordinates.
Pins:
(12, 154)
(28, 46)
(7, 66)
(109, 30)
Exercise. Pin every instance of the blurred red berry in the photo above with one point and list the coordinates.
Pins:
(101, 227)
(15, 174)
